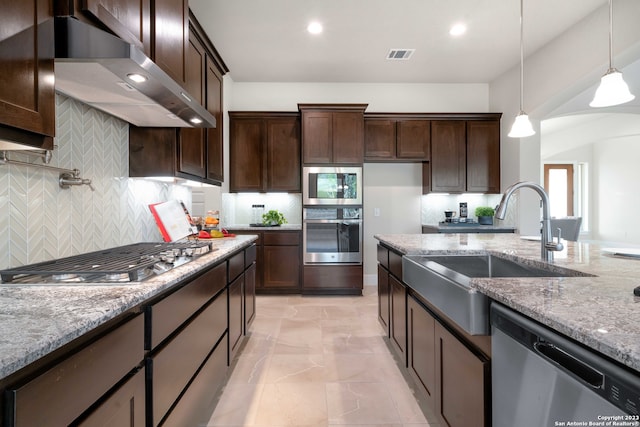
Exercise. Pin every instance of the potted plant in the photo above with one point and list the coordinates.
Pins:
(485, 215)
(273, 217)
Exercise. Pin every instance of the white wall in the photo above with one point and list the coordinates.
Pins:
(553, 75)
(395, 190)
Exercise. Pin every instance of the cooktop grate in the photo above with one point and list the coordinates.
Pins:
(128, 260)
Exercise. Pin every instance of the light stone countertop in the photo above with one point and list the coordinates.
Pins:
(600, 312)
(247, 227)
(38, 319)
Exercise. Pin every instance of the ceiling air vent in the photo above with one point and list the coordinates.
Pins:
(400, 54)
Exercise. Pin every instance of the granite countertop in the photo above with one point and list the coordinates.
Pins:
(38, 319)
(245, 227)
(600, 312)
(446, 226)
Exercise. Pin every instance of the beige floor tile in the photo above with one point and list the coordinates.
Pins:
(297, 404)
(312, 361)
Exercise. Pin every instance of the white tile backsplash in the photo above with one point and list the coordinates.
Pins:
(236, 207)
(434, 205)
(41, 221)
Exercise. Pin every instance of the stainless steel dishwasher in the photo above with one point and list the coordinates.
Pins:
(541, 378)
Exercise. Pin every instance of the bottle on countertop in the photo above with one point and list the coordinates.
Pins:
(256, 214)
(463, 210)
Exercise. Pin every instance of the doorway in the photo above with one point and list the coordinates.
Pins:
(558, 183)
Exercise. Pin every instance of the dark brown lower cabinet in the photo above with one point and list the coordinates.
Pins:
(449, 371)
(332, 279)
(249, 309)
(384, 298)
(462, 382)
(125, 407)
(398, 330)
(68, 389)
(278, 261)
(236, 318)
(176, 362)
(195, 406)
(421, 349)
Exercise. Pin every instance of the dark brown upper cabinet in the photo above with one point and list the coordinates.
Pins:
(27, 97)
(465, 155)
(190, 153)
(264, 152)
(396, 137)
(171, 37)
(332, 133)
(129, 20)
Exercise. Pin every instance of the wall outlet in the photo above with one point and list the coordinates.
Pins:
(376, 211)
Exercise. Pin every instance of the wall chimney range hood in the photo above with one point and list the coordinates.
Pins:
(98, 69)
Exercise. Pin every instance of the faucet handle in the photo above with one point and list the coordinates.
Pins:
(555, 245)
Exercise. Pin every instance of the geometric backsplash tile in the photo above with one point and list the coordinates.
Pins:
(40, 221)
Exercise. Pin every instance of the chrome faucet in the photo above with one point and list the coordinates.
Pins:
(547, 245)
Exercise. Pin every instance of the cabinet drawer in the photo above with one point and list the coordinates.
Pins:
(250, 255)
(196, 405)
(125, 407)
(61, 394)
(383, 256)
(395, 264)
(236, 266)
(175, 364)
(281, 238)
(168, 314)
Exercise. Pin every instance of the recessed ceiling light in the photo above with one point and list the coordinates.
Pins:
(138, 78)
(458, 30)
(314, 28)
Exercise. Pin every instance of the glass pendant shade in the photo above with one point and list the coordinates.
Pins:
(521, 126)
(612, 90)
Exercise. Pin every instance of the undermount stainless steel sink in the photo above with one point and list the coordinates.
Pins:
(443, 280)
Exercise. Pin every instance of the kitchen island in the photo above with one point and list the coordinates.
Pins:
(600, 311)
(116, 335)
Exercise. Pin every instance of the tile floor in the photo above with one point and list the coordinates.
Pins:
(317, 361)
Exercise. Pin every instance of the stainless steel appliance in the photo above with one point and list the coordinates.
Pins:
(328, 185)
(541, 378)
(122, 264)
(332, 235)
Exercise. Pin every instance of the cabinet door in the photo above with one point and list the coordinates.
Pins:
(191, 152)
(348, 137)
(398, 318)
(27, 98)
(379, 139)
(462, 379)
(249, 296)
(421, 350)
(236, 318)
(383, 298)
(246, 156)
(171, 37)
(283, 155)
(483, 156)
(316, 137)
(414, 139)
(281, 267)
(125, 407)
(195, 68)
(129, 20)
(215, 162)
(448, 156)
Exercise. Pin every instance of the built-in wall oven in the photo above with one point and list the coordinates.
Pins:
(332, 185)
(332, 235)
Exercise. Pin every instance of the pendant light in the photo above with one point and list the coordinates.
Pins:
(521, 126)
(612, 90)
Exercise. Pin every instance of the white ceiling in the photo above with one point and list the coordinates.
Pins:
(266, 40)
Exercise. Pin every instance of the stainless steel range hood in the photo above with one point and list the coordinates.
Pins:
(94, 67)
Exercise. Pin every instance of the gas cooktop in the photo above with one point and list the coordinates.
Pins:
(122, 264)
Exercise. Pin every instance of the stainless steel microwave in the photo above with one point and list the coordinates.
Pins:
(328, 185)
